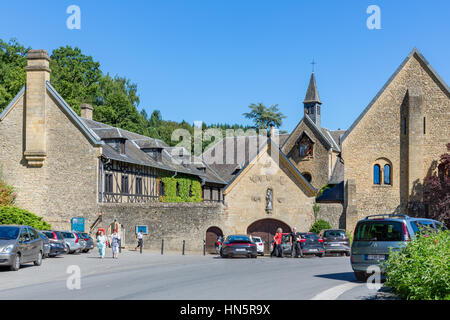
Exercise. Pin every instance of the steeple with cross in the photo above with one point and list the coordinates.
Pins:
(312, 101)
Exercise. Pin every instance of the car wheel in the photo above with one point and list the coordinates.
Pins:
(361, 276)
(38, 261)
(16, 263)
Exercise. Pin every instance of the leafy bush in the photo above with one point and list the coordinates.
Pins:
(189, 189)
(14, 215)
(7, 194)
(320, 225)
(421, 269)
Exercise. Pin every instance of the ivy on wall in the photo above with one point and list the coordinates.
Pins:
(181, 189)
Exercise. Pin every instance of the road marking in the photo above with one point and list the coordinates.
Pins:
(334, 292)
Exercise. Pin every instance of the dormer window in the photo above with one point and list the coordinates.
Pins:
(154, 153)
(117, 144)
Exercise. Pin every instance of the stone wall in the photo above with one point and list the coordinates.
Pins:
(333, 213)
(66, 184)
(317, 166)
(380, 135)
(173, 222)
(246, 201)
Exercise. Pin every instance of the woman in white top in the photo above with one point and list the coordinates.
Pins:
(115, 238)
(101, 244)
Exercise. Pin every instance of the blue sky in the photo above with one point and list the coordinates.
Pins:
(209, 59)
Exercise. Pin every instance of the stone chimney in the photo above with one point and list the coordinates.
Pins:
(86, 111)
(38, 73)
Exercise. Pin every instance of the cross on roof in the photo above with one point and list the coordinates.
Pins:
(313, 63)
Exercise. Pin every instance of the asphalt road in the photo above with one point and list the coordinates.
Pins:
(190, 277)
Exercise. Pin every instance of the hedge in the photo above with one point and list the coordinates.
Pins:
(421, 269)
(14, 215)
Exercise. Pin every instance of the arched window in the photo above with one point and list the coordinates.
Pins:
(387, 174)
(376, 174)
(307, 176)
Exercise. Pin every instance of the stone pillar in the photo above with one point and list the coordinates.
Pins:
(86, 111)
(38, 73)
(415, 144)
(351, 211)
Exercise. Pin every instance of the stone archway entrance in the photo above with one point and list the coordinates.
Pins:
(266, 229)
(211, 236)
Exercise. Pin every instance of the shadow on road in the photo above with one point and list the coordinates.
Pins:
(345, 276)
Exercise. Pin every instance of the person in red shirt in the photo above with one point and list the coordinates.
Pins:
(277, 249)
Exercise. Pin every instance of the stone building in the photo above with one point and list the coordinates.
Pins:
(313, 149)
(396, 142)
(67, 166)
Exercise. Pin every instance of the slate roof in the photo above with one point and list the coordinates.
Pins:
(334, 194)
(337, 176)
(228, 156)
(134, 143)
(312, 94)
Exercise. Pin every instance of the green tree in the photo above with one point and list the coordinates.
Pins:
(12, 70)
(75, 76)
(263, 116)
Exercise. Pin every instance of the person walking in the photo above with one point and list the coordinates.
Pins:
(101, 244)
(295, 245)
(115, 242)
(277, 249)
(140, 239)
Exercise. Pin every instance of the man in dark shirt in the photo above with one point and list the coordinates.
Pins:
(295, 245)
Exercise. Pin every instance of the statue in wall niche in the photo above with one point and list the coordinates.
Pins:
(269, 199)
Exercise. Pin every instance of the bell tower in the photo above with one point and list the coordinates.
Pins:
(312, 101)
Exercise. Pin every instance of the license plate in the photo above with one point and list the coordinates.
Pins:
(313, 250)
(240, 249)
(375, 257)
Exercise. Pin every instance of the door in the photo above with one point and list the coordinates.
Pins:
(211, 237)
(266, 229)
(35, 244)
(24, 245)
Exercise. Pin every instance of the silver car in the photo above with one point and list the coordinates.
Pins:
(376, 234)
(19, 245)
(72, 241)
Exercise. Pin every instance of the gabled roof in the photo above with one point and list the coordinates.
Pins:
(12, 103)
(415, 52)
(242, 148)
(91, 135)
(312, 94)
(327, 141)
(309, 188)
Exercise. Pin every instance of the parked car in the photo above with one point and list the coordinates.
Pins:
(89, 241)
(72, 241)
(57, 243)
(19, 245)
(335, 240)
(45, 245)
(259, 244)
(376, 234)
(238, 245)
(81, 240)
(311, 244)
